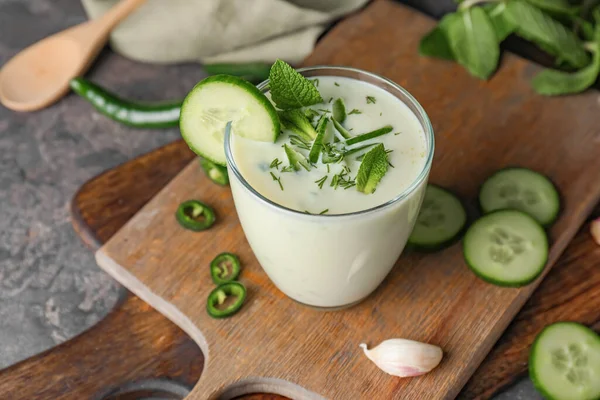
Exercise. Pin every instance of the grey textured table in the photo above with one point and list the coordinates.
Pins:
(50, 286)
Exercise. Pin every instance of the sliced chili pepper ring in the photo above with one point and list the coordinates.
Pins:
(195, 215)
(225, 268)
(226, 300)
(215, 173)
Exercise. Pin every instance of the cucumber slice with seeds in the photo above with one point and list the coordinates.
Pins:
(521, 189)
(217, 100)
(440, 221)
(506, 248)
(564, 362)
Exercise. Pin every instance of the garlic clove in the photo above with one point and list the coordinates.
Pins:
(403, 357)
(595, 230)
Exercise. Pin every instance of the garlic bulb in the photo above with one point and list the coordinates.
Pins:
(595, 230)
(403, 358)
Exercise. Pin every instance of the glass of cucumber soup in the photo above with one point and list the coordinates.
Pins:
(320, 240)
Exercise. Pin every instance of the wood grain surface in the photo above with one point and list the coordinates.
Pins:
(431, 298)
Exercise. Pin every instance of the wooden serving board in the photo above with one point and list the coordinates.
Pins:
(276, 345)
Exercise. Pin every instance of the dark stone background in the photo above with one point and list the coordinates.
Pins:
(50, 286)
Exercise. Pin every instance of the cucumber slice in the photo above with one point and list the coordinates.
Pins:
(221, 98)
(506, 248)
(440, 221)
(521, 189)
(564, 362)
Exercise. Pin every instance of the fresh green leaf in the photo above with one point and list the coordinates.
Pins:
(296, 159)
(373, 167)
(551, 82)
(317, 146)
(341, 129)
(297, 122)
(550, 35)
(583, 27)
(435, 43)
(370, 135)
(559, 7)
(474, 42)
(291, 90)
(596, 14)
(339, 110)
(253, 72)
(503, 26)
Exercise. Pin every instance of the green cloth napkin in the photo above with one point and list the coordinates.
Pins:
(208, 31)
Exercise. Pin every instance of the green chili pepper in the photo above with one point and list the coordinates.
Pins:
(195, 216)
(138, 115)
(253, 72)
(218, 305)
(225, 268)
(215, 173)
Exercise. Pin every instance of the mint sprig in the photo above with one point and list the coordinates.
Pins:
(373, 167)
(289, 89)
(474, 42)
(472, 35)
(551, 82)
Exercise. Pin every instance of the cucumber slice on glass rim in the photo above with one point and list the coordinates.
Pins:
(217, 100)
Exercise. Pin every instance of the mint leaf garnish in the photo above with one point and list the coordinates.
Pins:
(553, 37)
(317, 146)
(339, 110)
(474, 42)
(296, 159)
(550, 82)
(297, 122)
(373, 167)
(291, 90)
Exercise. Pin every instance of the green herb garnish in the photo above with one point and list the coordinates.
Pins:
(296, 159)
(297, 122)
(371, 100)
(355, 111)
(336, 84)
(275, 163)
(310, 114)
(338, 127)
(339, 111)
(321, 182)
(278, 179)
(372, 169)
(357, 149)
(370, 135)
(299, 142)
(291, 90)
(324, 211)
(317, 146)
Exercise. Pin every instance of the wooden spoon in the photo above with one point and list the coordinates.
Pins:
(39, 75)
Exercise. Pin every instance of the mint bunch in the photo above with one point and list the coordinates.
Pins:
(472, 35)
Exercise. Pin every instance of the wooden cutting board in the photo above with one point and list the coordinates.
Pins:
(278, 346)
